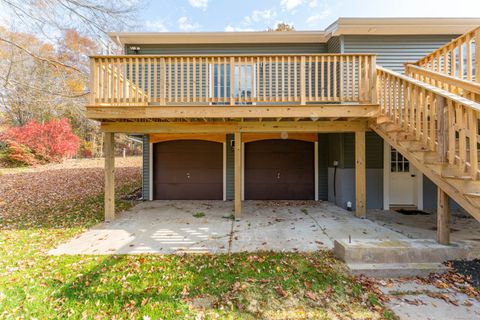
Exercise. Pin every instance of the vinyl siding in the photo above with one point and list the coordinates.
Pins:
(230, 167)
(323, 166)
(334, 45)
(393, 51)
(146, 168)
(230, 49)
(373, 152)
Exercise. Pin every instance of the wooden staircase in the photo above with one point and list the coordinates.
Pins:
(431, 116)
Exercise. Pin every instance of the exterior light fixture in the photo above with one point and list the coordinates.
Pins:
(136, 50)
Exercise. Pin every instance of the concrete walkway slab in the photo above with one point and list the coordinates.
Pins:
(170, 227)
(411, 300)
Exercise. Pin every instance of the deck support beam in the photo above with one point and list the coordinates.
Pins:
(238, 174)
(109, 148)
(443, 217)
(360, 175)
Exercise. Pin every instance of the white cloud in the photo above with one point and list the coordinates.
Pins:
(184, 24)
(156, 25)
(289, 5)
(230, 28)
(316, 18)
(257, 16)
(257, 20)
(313, 4)
(203, 4)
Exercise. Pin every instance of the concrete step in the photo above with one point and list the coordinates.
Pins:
(396, 270)
(398, 251)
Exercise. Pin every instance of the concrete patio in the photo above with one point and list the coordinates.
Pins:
(165, 227)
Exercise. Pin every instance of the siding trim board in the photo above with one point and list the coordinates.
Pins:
(203, 49)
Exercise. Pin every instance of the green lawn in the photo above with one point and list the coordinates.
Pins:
(247, 286)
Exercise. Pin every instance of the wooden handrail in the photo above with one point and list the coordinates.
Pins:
(444, 122)
(235, 55)
(464, 88)
(457, 58)
(233, 79)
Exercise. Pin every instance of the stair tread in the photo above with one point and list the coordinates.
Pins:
(396, 270)
(472, 194)
(415, 265)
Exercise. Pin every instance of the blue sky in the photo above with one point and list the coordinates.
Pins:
(245, 15)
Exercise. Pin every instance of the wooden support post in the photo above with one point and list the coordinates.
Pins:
(238, 174)
(443, 217)
(360, 175)
(373, 79)
(442, 129)
(109, 143)
(232, 81)
(303, 86)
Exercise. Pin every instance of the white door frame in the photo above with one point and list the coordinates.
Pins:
(418, 196)
(224, 171)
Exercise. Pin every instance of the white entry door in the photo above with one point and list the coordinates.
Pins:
(403, 181)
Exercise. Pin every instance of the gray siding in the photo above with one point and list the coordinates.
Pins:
(393, 51)
(230, 167)
(342, 148)
(230, 49)
(323, 166)
(146, 168)
(335, 44)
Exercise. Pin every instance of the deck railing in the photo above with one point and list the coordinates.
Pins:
(443, 122)
(459, 58)
(464, 88)
(232, 79)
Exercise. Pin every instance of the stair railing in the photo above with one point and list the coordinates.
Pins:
(459, 58)
(464, 88)
(444, 122)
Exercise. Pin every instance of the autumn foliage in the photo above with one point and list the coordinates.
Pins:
(36, 143)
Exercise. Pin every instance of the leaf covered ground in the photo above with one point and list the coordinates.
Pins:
(43, 208)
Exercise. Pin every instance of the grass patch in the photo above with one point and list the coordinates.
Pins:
(199, 214)
(304, 210)
(247, 286)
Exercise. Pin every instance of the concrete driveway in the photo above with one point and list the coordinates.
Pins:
(207, 226)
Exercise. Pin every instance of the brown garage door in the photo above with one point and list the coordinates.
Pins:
(187, 170)
(279, 169)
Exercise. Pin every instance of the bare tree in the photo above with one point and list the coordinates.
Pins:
(44, 51)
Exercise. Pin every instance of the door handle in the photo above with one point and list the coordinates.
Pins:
(188, 175)
(278, 175)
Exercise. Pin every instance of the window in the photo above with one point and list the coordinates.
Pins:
(398, 163)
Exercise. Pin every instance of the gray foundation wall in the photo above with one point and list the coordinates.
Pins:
(345, 187)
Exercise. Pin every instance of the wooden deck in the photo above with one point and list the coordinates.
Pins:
(232, 80)
(431, 114)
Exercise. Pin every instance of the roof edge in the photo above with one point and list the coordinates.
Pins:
(342, 26)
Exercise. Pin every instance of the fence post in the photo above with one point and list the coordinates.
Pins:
(302, 80)
(93, 82)
(373, 79)
(163, 82)
(442, 129)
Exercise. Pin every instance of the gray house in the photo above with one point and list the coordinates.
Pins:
(321, 115)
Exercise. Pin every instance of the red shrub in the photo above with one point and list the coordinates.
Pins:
(49, 142)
